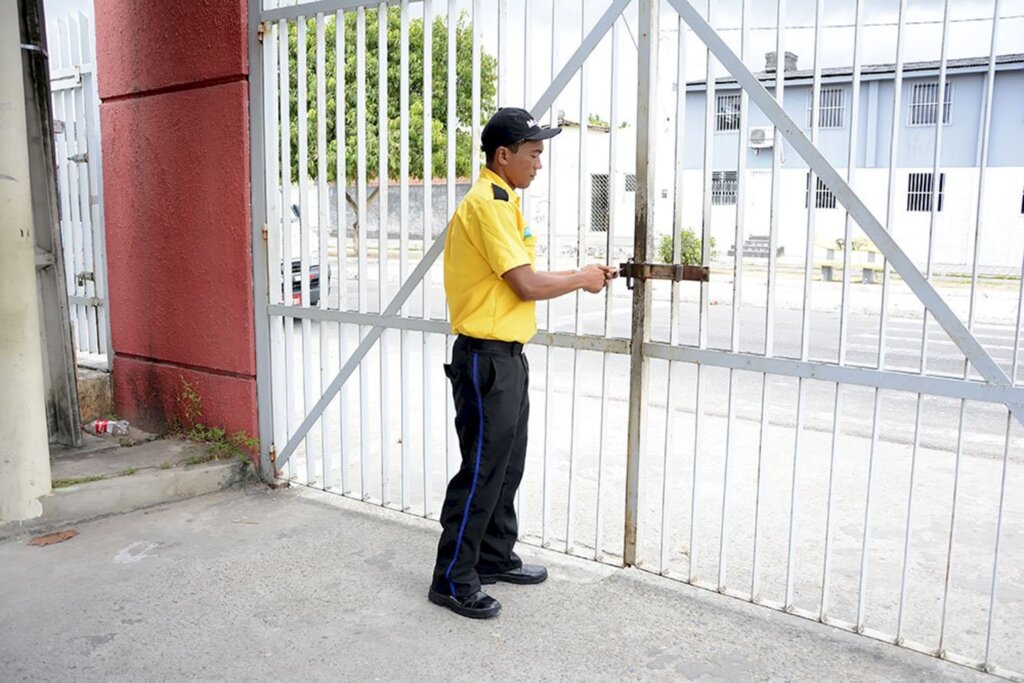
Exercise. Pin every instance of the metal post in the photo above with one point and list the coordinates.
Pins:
(643, 243)
(60, 385)
(257, 172)
(24, 455)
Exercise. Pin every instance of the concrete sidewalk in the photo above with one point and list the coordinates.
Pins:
(253, 584)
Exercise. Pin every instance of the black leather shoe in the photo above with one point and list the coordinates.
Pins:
(480, 605)
(528, 573)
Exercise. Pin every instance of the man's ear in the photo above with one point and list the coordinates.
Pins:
(501, 155)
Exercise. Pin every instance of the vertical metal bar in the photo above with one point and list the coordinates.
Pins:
(769, 327)
(710, 121)
(475, 87)
(773, 224)
(262, 105)
(983, 141)
(503, 93)
(982, 155)
(643, 244)
(741, 183)
(340, 180)
(806, 311)
(698, 425)
(674, 314)
(62, 150)
(548, 406)
(910, 514)
(383, 295)
(403, 247)
(286, 230)
(526, 195)
(844, 309)
(613, 142)
(269, 391)
(797, 450)
(322, 210)
(428, 231)
(999, 537)
(883, 327)
(364, 375)
(952, 526)
(581, 247)
(933, 190)
(776, 182)
(904, 582)
(307, 327)
(451, 133)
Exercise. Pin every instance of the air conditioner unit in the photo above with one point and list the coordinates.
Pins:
(761, 137)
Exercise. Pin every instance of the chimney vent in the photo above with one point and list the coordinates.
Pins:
(771, 61)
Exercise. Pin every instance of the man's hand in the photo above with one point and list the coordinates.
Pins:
(597, 276)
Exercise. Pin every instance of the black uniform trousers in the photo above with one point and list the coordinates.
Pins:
(490, 381)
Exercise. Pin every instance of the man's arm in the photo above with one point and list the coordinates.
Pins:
(529, 285)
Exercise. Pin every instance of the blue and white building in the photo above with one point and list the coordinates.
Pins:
(961, 109)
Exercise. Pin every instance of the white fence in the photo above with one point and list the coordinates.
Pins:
(72, 57)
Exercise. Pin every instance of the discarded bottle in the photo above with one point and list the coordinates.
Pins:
(112, 427)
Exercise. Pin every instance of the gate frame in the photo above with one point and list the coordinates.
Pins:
(996, 387)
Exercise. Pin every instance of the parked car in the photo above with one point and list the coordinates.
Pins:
(314, 262)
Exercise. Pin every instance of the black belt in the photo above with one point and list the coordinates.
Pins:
(488, 345)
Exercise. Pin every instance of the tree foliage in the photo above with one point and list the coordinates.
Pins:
(464, 147)
(690, 249)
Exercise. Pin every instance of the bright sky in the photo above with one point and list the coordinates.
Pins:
(529, 51)
(969, 36)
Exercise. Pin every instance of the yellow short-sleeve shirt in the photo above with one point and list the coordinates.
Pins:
(488, 237)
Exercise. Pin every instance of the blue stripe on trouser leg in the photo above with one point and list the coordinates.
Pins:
(476, 473)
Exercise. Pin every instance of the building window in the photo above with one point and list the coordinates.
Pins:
(823, 197)
(919, 191)
(723, 188)
(924, 104)
(727, 112)
(831, 108)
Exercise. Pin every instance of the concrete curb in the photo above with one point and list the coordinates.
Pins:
(118, 495)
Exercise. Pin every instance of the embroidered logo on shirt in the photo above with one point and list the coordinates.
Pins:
(527, 234)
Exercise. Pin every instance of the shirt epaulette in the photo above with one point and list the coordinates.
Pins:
(499, 192)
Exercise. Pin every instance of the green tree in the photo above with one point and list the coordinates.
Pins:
(689, 249)
(464, 147)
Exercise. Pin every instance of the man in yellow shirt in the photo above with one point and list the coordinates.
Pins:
(491, 286)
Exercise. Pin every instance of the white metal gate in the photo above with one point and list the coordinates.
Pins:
(80, 183)
(736, 430)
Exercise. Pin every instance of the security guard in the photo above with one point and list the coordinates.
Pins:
(491, 285)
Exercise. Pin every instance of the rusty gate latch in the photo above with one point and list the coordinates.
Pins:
(662, 271)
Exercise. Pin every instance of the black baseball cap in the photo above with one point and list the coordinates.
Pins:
(510, 125)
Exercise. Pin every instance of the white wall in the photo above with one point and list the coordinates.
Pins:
(1002, 230)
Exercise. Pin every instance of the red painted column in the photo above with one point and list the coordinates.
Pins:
(173, 84)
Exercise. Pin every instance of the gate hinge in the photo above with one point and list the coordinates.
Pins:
(273, 453)
(261, 30)
(81, 158)
(662, 271)
(85, 276)
(264, 232)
